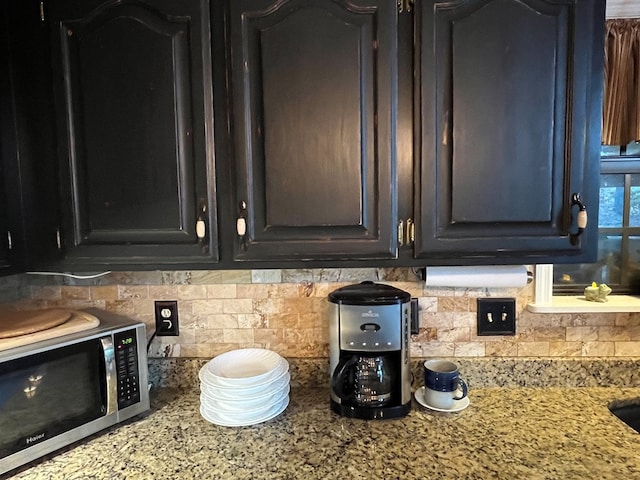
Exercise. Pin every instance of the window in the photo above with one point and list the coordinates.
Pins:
(618, 263)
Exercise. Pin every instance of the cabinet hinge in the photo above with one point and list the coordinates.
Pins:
(42, 18)
(405, 6)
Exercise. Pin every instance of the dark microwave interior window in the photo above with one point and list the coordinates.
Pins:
(49, 393)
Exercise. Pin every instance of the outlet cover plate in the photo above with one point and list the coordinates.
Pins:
(167, 318)
(496, 316)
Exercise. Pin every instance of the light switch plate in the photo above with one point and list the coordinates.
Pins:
(496, 316)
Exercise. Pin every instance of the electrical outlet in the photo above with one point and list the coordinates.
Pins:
(167, 318)
(496, 316)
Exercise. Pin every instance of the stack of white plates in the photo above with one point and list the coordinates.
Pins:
(244, 387)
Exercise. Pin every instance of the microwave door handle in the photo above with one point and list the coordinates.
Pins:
(110, 371)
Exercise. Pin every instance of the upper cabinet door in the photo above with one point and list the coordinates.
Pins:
(509, 97)
(134, 111)
(313, 92)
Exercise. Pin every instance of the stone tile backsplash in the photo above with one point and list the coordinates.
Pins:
(287, 311)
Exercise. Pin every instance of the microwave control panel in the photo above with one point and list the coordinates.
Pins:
(127, 368)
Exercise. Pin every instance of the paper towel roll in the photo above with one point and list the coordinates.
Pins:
(480, 276)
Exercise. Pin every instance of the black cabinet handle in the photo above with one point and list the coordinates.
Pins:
(581, 221)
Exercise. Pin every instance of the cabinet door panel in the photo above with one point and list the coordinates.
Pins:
(510, 102)
(134, 123)
(314, 118)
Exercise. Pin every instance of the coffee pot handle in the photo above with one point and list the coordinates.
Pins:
(337, 379)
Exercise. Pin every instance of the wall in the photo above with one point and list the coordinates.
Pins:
(286, 310)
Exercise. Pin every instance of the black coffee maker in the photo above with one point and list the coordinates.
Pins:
(369, 351)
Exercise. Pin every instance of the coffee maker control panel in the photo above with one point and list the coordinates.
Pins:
(371, 328)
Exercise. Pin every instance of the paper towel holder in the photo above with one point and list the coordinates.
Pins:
(474, 276)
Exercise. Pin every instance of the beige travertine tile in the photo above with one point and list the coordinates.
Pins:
(456, 335)
(453, 304)
(237, 305)
(550, 334)
(268, 305)
(269, 335)
(634, 333)
(627, 349)
(613, 334)
(425, 335)
(237, 335)
(46, 293)
(222, 320)
(593, 320)
(501, 349)
(192, 292)
(162, 292)
(598, 349)
(313, 320)
(122, 307)
(213, 335)
(438, 349)
(255, 291)
(284, 320)
(582, 334)
(207, 307)
(126, 292)
(75, 293)
(192, 321)
(469, 349)
(252, 320)
(533, 349)
(565, 349)
(437, 320)
(104, 292)
(465, 319)
(428, 304)
(305, 335)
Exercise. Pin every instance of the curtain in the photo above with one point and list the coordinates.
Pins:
(621, 112)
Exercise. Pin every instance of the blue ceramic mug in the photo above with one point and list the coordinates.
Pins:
(443, 384)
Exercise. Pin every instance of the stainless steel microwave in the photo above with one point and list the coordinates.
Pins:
(58, 391)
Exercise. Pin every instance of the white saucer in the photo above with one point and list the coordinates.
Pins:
(457, 406)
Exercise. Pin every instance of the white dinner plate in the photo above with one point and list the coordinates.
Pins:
(224, 421)
(243, 367)
(240, 406)
(457, 406)
(245, 392)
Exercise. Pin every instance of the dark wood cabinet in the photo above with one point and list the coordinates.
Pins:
(508, 112)
(28, 175)
(347, 133)
(312, 88)
(134, 113)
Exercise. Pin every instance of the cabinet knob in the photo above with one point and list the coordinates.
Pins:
(201, 229)
(201, 224)
(241, 222)
(581, 219)
(241, 226)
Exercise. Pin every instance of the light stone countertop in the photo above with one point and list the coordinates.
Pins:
(506, 432)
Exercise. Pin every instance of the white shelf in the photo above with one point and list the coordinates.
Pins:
(578, 304)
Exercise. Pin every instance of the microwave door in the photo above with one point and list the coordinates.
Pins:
(45, 394)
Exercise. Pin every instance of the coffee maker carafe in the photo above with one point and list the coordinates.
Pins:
(369, 351)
